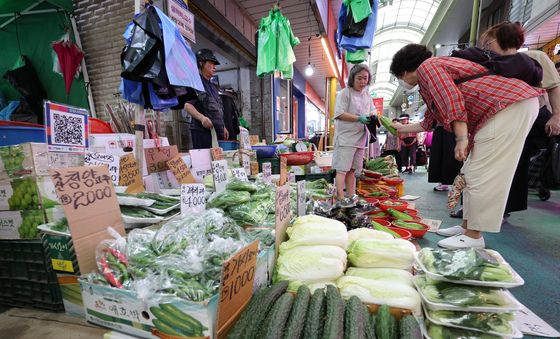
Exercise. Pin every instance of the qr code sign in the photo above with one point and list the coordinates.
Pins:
(68, 129)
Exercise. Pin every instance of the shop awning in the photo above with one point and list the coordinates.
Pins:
(9, 8)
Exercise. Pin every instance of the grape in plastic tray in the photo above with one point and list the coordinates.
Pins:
(515, 334)
(512, 306)
(518, 280)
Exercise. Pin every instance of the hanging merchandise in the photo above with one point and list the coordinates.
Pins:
(69, 57)
(157, 63)
(357, 57)
(356, 18)
(350, 43)
(275, 45)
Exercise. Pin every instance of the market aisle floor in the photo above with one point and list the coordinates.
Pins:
(529, 241)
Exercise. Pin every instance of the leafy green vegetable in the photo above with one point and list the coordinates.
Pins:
(240, 185)
(316, 230)
(228, 198)
(441, 332)
(384, 274)
(487, 322)
(249, 213)
(136, 212)
(309, 264)
(367, 233)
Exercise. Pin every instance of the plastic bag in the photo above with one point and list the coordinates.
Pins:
(112, 261)
(218, 251)
(250, 213)
(178, 234)
(228, 198)
(215, 223)
(138, 249)
(240, 185)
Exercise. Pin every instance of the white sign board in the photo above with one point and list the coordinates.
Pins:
(113, 162)
(267, 172)
(301, 198)
(192, 198)
(219, 172)
(182, 17)
(240, 174)
(530, 323)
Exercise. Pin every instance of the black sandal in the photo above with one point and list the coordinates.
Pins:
(456, 214)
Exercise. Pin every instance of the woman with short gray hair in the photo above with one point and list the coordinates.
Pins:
(353, 108)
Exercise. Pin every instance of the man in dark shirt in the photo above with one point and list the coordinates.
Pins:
(207, 110)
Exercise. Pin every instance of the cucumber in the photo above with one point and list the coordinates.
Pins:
(385, 324)
(277, 317)
(399, 215)
(370, 326)
(379, 227)
(334, 318)
(164, 328)
(245, 319)
(409, 328)
(315, 312)
(173, 311)
(174, 323)
(409, 225)
(296, 321)
(259, 313)
(388, 124)
(354, 322)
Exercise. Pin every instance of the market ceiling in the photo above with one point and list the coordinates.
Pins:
(304, 25)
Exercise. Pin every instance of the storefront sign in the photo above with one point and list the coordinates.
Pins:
(157, 158)
(129, 174)
(183, 18)
(193, 198)
(219, 172)
(180, 170)
(283, 213)
(66, 128)
(111, 161)
(90, 205)
(267, 172)
(240, 174)
(301, 198)
(238, 274)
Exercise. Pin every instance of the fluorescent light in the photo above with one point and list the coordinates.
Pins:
(438, 46)
(329, 56)
(309, 70)
(523, 49)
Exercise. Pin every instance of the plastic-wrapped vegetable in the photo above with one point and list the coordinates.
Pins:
(250, 213)
(240, 185)
(264, 235)
(442, 332)
(112, 261)
(215, 223)
(499, 323)
(218, 251)
(178, 234)
(228, 198)
(138, 248)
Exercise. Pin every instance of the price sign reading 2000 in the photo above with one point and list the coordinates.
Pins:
(82, 187)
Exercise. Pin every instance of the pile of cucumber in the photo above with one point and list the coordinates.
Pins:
(275, 313)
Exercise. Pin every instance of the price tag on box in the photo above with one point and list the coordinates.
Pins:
(301, 198)
(193, 198)
(267, 172)
(238, 274)
(219, 172)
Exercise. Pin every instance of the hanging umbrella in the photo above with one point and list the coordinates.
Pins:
(69, 56)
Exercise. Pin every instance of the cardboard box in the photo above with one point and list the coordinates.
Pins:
(20, 224)
(71, 295)
(122, 310)
(61, 250)
(19, 194)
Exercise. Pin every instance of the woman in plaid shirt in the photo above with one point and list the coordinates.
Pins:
(490, 116)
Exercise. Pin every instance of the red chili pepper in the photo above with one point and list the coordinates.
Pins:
(108, 273)
(122, 258)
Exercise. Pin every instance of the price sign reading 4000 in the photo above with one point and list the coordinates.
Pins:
(219, 172)
(192, 198)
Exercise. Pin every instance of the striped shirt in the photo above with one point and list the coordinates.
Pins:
(473, 101)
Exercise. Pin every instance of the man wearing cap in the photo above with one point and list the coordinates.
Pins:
(207, 110)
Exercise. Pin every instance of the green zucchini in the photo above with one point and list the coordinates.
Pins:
(315, 312)
(385, 324)
(379, 227)
(176, 313)
(172, 322)
(276, 319)
(296, 321)
(388, 124)
(354, 322)
(259, 313)
(399, 215)
(409, 225)
(409, 328)
(370, 327)
(334, 318)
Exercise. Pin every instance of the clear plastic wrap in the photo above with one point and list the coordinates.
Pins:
(178, 234)
(218, 251)
(250, 213)
(228, 198)
(139, 250)
(112, 261)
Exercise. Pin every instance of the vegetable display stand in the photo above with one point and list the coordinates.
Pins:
(27, 278)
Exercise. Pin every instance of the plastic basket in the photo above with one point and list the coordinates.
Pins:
(27, 278)
(97, 126)
(227, 145)
(13, 135)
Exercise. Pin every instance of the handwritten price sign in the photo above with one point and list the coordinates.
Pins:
(193, 198)
(301, 197)
(157, 158)
(240, 174)
(283, 213)
(238, 274)
(90, 205)
(267, 172)
(219, 172)
(111, 161)
(129, 174)
(181, 171)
